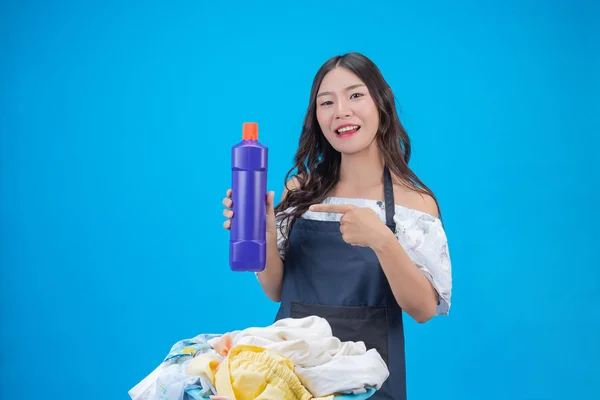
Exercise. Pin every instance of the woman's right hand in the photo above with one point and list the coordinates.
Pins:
(228, 212)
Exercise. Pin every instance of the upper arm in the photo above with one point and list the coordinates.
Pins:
(424, 240)
(281, 225)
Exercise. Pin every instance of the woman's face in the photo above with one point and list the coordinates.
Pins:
(346, 112)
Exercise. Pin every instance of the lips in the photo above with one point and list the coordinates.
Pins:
(346, 129)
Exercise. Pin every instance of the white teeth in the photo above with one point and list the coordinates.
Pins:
(347, 129)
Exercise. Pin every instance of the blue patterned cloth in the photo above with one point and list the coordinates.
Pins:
(174, 383)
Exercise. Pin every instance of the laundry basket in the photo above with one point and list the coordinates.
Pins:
(361, 396)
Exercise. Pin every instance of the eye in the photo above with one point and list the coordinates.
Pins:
(326, 103)
(356, 95)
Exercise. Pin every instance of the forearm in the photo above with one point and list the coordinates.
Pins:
(272, 276)
(412, 290)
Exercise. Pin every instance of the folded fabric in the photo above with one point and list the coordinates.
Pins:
(252, 373)
(323, 363)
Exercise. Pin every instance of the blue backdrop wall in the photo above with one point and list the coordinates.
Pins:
(116, 123)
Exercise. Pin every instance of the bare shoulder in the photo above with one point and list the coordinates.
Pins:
(291, 184)
(411, 198)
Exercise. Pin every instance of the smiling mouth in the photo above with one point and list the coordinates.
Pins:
(347, 130)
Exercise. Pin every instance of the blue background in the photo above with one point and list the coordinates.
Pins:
(116, 124)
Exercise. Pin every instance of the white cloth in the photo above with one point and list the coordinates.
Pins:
(145, 390)
(170, 382)
(421, 235)
(324, 364)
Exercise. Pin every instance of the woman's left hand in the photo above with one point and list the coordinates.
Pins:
(359, 226)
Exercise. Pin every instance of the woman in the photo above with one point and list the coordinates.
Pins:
(357, 237)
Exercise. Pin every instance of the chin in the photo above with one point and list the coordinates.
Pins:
(351, 149)
(359, 142)
(354, 146)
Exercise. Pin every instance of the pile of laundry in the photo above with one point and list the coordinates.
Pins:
(290, 359)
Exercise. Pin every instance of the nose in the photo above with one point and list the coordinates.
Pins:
(342, 110)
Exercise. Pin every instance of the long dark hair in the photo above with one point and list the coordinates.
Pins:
(317, 163)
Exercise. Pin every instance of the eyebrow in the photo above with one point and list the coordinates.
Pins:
(348, 88)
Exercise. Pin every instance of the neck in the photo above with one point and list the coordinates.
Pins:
(363, 169)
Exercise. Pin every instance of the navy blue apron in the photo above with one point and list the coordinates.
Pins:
(329, 278)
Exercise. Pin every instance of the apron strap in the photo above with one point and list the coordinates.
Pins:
(390, 205)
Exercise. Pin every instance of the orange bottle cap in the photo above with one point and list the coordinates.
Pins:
(250, 131)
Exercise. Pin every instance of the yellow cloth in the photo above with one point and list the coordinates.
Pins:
(252, 373)
(204, 365)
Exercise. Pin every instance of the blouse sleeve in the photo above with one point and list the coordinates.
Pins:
(424, 239)
(281, 228)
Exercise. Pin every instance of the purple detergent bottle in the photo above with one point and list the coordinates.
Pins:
(247, 244)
